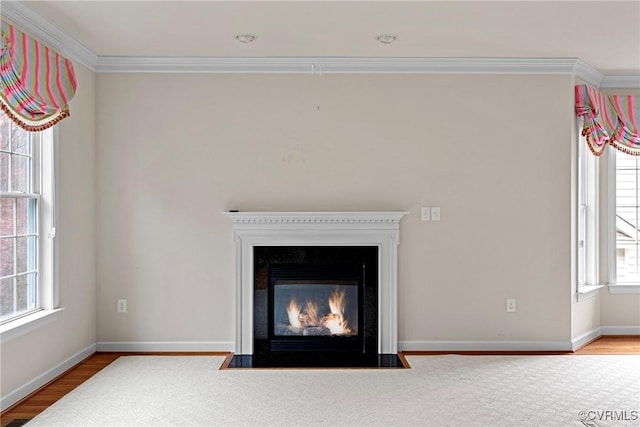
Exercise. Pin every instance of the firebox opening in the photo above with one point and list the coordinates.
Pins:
(315, 305)
(316, 308)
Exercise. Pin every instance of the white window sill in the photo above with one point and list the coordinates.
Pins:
(588, 291)
(27, 324)
(631, 288)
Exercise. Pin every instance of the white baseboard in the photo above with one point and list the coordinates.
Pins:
(585, 338)
(33, 385)
(168, 346)
(620, 330)
(572, 345)
(484, 346)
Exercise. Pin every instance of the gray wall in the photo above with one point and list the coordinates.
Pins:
(494, 152)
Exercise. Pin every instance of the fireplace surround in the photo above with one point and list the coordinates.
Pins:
(300, 232)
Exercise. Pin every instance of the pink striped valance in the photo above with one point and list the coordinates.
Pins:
(609, 120)
(36, 82)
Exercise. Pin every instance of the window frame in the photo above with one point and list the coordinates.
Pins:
(588, 221)
(46, 145)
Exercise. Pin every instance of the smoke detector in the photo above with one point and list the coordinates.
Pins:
(386, 38)
(245, 38)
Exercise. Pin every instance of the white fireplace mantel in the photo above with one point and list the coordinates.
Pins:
(381, 229)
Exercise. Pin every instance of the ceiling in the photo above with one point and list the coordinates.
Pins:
(603, 34)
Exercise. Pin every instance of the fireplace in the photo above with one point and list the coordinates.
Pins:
(315, 289)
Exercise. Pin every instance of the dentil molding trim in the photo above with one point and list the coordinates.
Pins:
(318, 218)
(32, 22)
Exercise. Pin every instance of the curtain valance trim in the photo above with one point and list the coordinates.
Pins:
(608, 120)
(29, 125)
(36, 82)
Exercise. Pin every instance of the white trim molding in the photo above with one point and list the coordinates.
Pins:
(27, 324)
(38, 26)
(381, 229)
(25, 390)
(164, 346)
(588, 291)
(351, 65)
(621, 82)
(624, 289)
(584, 339)
(21, 14)
(484, 345)
(620, 330)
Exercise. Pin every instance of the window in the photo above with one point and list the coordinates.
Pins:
(621, 239)
(625, 260)
(609, 128)
(26, 226)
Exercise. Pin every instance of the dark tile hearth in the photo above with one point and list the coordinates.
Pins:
(317, 360)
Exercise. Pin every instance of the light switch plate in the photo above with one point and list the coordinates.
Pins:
(435, 214)
(425, 214)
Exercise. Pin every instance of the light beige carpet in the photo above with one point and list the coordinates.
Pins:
(444, 390)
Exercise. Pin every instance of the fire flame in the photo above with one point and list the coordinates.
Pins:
(312, 314)
(335, 321)
(293, 311)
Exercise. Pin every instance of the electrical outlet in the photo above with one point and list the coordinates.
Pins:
(511, 305)
(122, 306)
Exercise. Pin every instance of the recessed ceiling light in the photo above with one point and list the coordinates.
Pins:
(245, 38)
(386, 38)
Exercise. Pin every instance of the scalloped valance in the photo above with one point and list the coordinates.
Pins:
(609, 120)
(36, 82)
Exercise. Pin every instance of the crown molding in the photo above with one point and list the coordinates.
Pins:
(19, 13)
(587, 73)
(621, 82)
(349, 65)
(41, 28)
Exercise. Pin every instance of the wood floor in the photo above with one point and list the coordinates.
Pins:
(50, 393)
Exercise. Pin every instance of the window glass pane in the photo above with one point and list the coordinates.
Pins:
(627, 218)
(20, 140)
(626, 187)
(625, 161)
(21, 173)
(6, 297)
(26, 254)
(26, 292)
(6, 257)
(5, 170)
(26, 216)
(4, 132)
(627, 221)
(7, 206)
